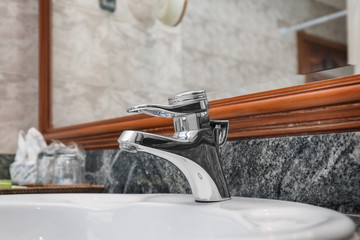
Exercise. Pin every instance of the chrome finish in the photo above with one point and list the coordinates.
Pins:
(193, 147)
(186, 97)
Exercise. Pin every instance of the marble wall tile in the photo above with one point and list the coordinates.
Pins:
(145, 57)
(16, 8)
(322, 170)
(75, 103)
(80, 44)
(18, 108)
(19, 36)
(89, 5)
(197, 33)
(123, 12)
(197, 70)
(18, 69)
(197, 8)
(121, 100)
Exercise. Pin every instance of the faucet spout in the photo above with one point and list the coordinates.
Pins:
(197, 159)
(193, 147)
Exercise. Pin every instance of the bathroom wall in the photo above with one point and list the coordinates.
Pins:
(18, 69)
(105, 62)
(322, 170)
(183, 54)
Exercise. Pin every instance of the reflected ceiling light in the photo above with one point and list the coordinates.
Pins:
(169, 12)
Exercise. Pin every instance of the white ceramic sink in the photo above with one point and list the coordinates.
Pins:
(165, 216)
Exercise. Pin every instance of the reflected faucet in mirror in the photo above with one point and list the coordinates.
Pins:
(194, 146)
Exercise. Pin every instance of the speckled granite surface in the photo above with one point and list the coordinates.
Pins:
(123, 172)
(5, 161)
(322, 170)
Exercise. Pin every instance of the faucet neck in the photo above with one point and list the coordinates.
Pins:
(195, 116)
(193, 147)
(191, 122)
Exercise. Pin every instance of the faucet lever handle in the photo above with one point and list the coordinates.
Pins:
(153, 110)
(168, 111)
(179, 105)
(221, 130)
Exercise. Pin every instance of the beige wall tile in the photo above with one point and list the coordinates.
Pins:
(75, 103)
(90, 5)
(19, 36)
(122, 99)
(18, 108)
(80, 45)
(145, 58)
(18, 70)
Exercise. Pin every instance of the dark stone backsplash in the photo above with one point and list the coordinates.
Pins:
(123, 172)
(322, 170)
(5, 161)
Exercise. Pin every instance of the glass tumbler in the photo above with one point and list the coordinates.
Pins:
(68, 169)
(45, 167)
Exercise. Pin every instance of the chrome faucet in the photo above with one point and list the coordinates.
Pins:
(194, 146)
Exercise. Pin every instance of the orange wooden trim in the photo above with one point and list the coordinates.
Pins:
(292, 102)
(45, 89)
(321, 107)
(330, 106)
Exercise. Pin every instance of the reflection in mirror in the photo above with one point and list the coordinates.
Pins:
(104, 62)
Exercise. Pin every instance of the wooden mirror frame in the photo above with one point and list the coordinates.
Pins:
(322, 107)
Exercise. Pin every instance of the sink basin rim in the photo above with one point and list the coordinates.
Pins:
(262, 216)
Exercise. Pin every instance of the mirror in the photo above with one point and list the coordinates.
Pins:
(228, 48)
(104, 62)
